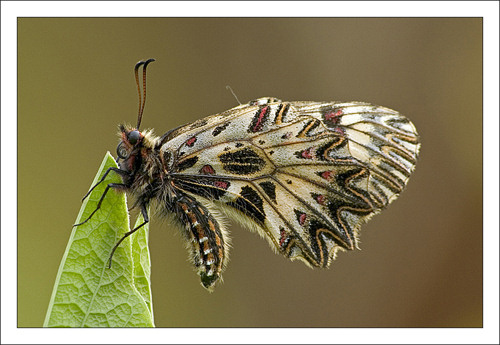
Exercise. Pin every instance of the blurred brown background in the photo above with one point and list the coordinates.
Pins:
(421, 259)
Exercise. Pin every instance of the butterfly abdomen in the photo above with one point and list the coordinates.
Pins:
(205, 236)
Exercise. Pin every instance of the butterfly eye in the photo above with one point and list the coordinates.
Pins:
(133, 137)
(121, 151)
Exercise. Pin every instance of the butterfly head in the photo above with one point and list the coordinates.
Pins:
(131, 142)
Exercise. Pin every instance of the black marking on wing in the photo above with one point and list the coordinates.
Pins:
(250, 203)
(206, 188)
(218, 130)
(187, 163)
(270, 189)
(242, 162)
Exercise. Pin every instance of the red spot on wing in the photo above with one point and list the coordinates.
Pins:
(207, 170)
(258, 124)
(191, 141)
(327, 175)
(321, 199)
(307, 153)
(302, 218)
(283, 236)
(221, 184)
(334, 115)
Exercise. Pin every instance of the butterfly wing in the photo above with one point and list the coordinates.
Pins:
(305, 175)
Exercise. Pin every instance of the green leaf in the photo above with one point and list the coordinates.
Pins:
(86, 292)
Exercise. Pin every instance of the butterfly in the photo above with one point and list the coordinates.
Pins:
(304, 175)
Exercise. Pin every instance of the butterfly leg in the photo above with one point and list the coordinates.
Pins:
(118, 171)
(144, 211)
(111, 185)
(206, 238)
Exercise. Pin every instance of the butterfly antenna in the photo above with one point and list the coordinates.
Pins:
(234, 95)
(142, 100)
(136, 72)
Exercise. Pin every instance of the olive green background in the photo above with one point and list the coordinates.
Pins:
(421, 260)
